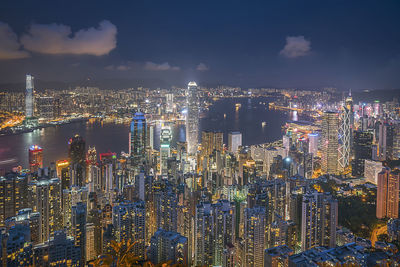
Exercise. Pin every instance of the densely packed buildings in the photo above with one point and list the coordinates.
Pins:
(207, 203)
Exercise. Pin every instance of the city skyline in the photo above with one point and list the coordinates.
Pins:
(199, 134)
(197, 196)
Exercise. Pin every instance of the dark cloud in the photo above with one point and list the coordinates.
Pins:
(9, 45)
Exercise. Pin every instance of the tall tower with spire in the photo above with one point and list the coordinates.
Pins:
(192, 118)
(29, 98)
(346, 132)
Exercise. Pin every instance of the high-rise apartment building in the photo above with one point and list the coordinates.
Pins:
(59, 250)
(387, 199)
(371, 170)
(203, 232)
(29, 218)
(166, 246)
(91, 233)
(165, 205)
(319, 220)
(129, 220)
(13, 195)
(70, 198)
(254, 236)
(224, 229)
(78, 218)
(48, 204)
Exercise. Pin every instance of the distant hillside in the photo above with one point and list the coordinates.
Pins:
(115, 84)
(381, 95)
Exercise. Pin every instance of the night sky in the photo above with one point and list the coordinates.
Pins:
(301, 44)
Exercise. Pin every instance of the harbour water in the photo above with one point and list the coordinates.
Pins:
(224, 115)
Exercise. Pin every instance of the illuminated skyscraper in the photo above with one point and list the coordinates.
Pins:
(90, 242)
(30, 218)
(214, 231)
(48, 204)
(76, 151)
(387, 200)
(29, 97)
(170, 103)
(254, 236)
(63, 173)
(234, 141)
(70, 198)
(166, 246)
(77, 159)
(13, 192)
(150, 136)
(93, 171)
(35, 158)
(313, 143)
(319, 220)
(203, 249)
(165, 149)
(57, 251)
(362, 151)
(192, 118)
(345, 133)
(224, 229)
(138, 136)
(129, 223)
(108, 163)
(79, 227)
(384, 133)
(165, 203)
(211, 141)
(330, 144)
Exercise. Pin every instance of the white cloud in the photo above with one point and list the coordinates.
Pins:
(9, 45)
(160, 67)
(202, 67)
(123, 67)
(296, 46)
(59, 39)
